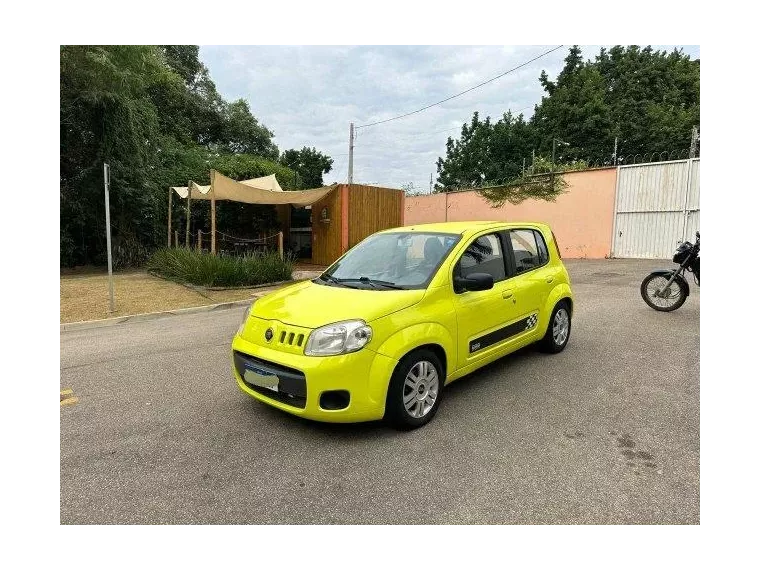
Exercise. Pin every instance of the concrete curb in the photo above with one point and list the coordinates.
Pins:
(82, 325)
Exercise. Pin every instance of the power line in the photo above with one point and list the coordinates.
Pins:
(419, 135)
(463, 92)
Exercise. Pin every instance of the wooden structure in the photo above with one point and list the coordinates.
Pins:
(346, 216)
(341, 215)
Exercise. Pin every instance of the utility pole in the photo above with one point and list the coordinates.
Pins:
(107, 185)
(351, 154)
(431, 182)
(694, 139)
(614, 153)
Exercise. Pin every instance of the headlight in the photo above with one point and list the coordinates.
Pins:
(338, 338)
(245, 318)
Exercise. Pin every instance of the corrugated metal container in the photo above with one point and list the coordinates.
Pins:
(656, 206)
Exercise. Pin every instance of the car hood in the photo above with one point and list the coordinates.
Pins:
(312, 305)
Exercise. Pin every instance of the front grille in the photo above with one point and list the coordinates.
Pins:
(292, 382)
(291, 338)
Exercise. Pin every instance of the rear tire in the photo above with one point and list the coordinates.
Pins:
(558, 332)
(675, 298)
(415, 390)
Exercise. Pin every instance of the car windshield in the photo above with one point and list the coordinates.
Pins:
(398, 260)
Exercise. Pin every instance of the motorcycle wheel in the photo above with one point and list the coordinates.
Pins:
(654, 296)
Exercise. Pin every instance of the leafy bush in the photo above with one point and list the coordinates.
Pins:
(129, 253)
(207, 270)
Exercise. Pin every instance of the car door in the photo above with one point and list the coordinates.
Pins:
(531, 277)
(483, 315)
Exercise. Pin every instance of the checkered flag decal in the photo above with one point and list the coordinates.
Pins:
(531, 321)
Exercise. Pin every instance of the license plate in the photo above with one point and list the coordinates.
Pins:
(268, 381)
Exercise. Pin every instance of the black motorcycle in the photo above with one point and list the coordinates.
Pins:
(667, 289)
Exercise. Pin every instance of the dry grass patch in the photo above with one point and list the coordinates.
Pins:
(85, 297)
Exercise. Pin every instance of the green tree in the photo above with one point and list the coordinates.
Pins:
(309, 164)
(242, 133)
(653, 97)
(154, 114)
(648, 99)
(106, 116)
(575, 112)
(486, 152)
(246, 166)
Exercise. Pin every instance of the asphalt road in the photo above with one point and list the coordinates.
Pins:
(605, 432)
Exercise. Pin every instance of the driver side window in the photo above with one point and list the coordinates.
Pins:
(484, 255)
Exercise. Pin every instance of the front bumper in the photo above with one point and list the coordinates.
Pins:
(363, 374)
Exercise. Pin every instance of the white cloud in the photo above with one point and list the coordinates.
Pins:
(308, 95)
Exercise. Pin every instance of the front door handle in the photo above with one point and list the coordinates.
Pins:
(506, 294)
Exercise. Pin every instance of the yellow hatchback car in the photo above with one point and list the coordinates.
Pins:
(400, 315)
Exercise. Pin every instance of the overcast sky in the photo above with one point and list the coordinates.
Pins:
(308, 95)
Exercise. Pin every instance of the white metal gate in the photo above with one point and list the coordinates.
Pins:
(656, 206)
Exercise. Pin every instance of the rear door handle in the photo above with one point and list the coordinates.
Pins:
(507, 293)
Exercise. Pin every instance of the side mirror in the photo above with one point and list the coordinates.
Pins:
(474, 282)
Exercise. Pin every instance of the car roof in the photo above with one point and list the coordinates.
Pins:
(464, 228)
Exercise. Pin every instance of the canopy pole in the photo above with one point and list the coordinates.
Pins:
(213, 216)
(169, 220)
(187, 224)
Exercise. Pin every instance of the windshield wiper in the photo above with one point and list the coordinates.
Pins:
(375, 282)
(338, 282)
(329, 278)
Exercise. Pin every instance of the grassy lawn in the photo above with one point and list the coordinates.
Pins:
(84, 295)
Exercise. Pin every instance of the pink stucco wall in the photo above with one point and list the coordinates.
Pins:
(581, 218)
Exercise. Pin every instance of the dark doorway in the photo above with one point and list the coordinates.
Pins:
(300, 232)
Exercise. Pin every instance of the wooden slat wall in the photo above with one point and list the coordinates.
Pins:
(326, 237)
(371, 209)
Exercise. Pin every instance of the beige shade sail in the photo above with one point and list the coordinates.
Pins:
(265, 190)
(265, 183)
(198, 192)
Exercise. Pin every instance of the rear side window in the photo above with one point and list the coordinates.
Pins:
(529, 250)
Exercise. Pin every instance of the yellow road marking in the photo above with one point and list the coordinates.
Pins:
(69, 401)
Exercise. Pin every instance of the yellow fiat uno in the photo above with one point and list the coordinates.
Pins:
(400, 315)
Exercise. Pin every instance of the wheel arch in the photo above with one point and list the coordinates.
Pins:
(424, 335)
(558, 294)
(433, 347)
(569, 301)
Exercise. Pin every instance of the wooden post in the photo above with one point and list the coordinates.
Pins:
(279, 245)
(200, 238)
(176, 238)
(187, 215)
(213, 216)
(169, 224)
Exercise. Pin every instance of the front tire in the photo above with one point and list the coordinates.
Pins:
(415, 390)
(558, 331)
(658, 297)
